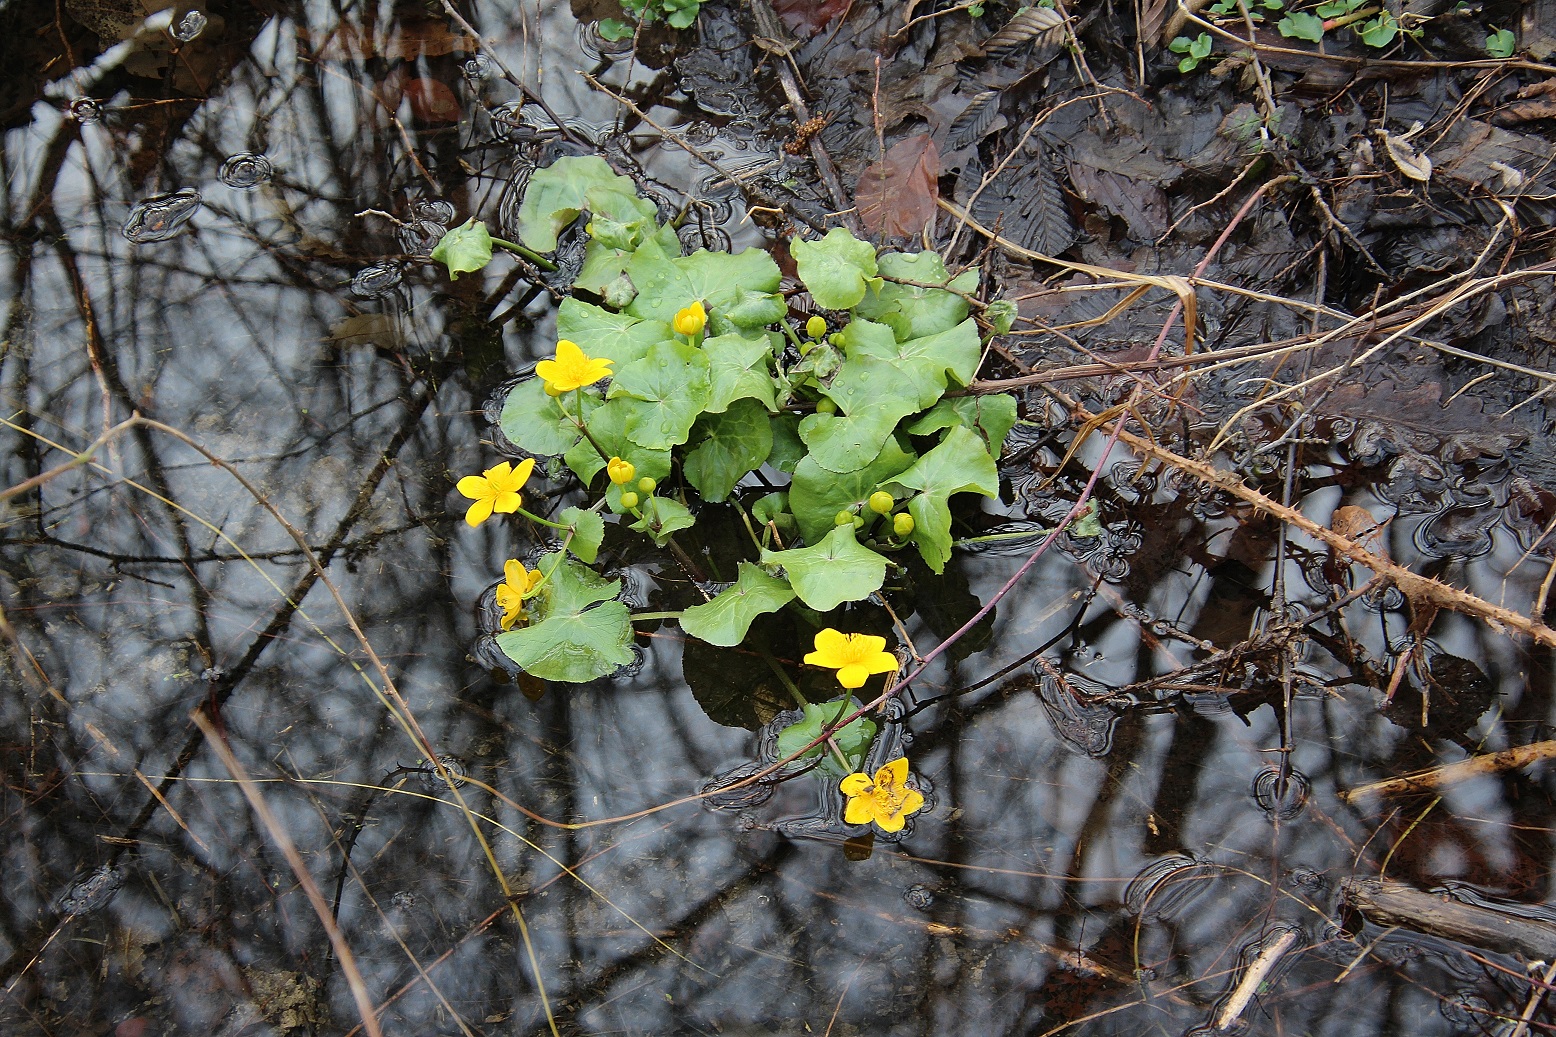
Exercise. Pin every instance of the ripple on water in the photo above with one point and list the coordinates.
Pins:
(91, 891)
(376, 281)
(245, 171)
(161, 216)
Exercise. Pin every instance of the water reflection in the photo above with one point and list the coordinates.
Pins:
(279, 329)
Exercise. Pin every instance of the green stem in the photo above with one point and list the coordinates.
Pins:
(545, 522)
(579, 421)
(646, 616)
(534, 257)
(994, 538)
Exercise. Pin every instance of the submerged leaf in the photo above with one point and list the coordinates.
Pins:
(896, 196)
(853, 738)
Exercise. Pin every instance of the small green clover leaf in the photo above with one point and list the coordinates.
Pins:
(1500, 43)
(464, 249)
(1194, 51)
(1303, 26)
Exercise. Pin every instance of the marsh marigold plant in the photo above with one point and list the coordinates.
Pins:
(518, 584)
(854, 656)
(496, 490)
(571, 368)
(886, 800)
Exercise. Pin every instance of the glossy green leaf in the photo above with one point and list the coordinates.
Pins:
(846, 443)
(660, 517)
(535, 422)
(836, 269)
(725, 620)
(751, 309)
(670, 386)
(960, 464)
(836, 570)
(614, 336)
(994, 415)
(788, 448)
(925, 362)
(667, 283)
(853, 739)
(911, 311)
(735, 442)
(579, 633)
(774, 509)
(816, 495)
(608, 426)
(465, 248)
(738, 369)
(558, 193)
(588, 532)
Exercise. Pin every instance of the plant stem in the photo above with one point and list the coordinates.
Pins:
(545, 522)
(843, 708)
(534, 257)
(578, 420)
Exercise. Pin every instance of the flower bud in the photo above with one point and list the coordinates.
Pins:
(902, 524)
(646, 484)
(629, 500)
(826, 405)
(691, 320)
(620, 472)
(882, 502)
(844, 518)
(816, 327)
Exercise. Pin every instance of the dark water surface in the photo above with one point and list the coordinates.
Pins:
(196, 247)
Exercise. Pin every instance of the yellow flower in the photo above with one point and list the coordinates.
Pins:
(496, 489)
(853, 656)
(621, 472)
(518, 584)
(691, 320)
(887, 800)
(571, 369)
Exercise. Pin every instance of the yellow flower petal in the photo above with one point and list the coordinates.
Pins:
(479, 512)
(858, 812)
(894, 773)
(890, 822)
(571, 369)
(852, 676)
(854, 784)
(691, 320)
(620, 472)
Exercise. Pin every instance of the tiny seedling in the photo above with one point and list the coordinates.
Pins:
(1194, 51)
(1500, 43)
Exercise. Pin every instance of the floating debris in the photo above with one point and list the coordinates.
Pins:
(1084, 726)
(376, 281)
(433, 210)
(91, 892)
(190, 26)
(919, 897)
(245, 171)
(161, 216)
(432, 781)
(85, 110)
(420, 237)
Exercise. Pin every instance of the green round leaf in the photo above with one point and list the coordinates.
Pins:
(725, 620)
(464, 248)
(835, 269)
(836, 570)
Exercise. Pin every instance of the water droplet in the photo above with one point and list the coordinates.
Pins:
(433, 210)
(85, 109)
(1280, 803)
(432, 781)
(92, 891)
(919, 896)
(190, 26)
(245, 171)
(162, 216)
(375, 281)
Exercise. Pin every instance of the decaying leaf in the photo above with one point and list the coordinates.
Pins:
(1034, 23)
(1025, 202)
(1410, 162)
(805, 18)
(975, 122)
(896, 196)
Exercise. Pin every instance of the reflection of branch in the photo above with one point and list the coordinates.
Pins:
(283, 841)
(84, 457)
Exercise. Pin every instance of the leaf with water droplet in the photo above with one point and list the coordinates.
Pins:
(837, 269)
